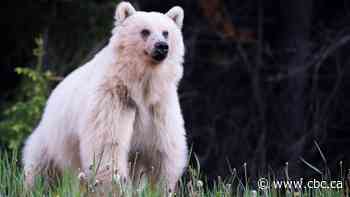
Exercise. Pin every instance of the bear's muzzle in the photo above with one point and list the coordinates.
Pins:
(160, 51)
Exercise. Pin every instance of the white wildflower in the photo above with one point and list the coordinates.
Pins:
(253, 193)
(199, 183)
(116, 178)
(81, 176)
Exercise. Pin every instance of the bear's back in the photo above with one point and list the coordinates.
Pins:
(72, 96)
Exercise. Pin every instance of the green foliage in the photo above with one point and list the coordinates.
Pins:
(11, 179)
(20, 116)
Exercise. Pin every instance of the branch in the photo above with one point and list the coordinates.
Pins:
(317, 61)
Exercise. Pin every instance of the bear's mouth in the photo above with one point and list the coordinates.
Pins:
(156, 56)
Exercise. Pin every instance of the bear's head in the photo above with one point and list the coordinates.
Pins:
(150, 37)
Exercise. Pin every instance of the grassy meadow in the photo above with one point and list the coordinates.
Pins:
(193, 184)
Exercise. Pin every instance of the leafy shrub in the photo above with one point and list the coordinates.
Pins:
(20, 116)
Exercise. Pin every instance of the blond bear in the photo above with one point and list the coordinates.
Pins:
(120, 108)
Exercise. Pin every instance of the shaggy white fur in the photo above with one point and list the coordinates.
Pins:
(120, 107)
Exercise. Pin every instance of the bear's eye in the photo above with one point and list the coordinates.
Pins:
(165, 34)
(145, 33)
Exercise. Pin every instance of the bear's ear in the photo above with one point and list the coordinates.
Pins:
(177, 15)
(123, 11)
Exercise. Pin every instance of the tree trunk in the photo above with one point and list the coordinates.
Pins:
(296, 17)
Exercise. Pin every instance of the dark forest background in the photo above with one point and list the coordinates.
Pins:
(265, 82)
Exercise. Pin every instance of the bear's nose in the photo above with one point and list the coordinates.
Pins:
(160, 51)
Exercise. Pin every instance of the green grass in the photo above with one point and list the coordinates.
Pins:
(194, 185)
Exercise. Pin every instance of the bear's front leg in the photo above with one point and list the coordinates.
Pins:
(173, 146)
(173, 162)
(105, 142)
